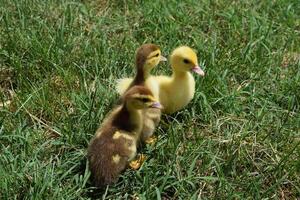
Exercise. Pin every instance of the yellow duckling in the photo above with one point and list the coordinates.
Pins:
(147, 57)
(177, 91)
(115, 143)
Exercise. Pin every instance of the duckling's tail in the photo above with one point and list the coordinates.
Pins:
(123, 84)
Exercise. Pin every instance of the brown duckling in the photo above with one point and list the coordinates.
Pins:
(115, 143)
(147, 57)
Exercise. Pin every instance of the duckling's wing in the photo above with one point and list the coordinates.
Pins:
(123, 84)
(162, 79)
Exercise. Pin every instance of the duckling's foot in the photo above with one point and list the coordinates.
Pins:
(150, 140)
(137, 163)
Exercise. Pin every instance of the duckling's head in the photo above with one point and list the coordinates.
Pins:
(184, 59)
(147, 57)
(139, 97)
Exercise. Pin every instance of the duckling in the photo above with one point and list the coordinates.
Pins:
(115, 143)
(178, 90)
(147, 57)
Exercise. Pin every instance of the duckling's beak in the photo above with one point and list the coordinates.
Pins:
(156, 105)
(163, 59)
(198, 70)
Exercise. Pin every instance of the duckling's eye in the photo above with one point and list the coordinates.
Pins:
(157, 55)
(144, 100)
(186, 61)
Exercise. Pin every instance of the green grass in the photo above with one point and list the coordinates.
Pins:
(238, 139)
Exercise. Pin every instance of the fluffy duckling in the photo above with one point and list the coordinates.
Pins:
(147, 57)
(115, 143)
(178, 90)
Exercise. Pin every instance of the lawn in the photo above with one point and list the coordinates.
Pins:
(238, 139)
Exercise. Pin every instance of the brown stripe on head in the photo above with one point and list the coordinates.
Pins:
(142, 53)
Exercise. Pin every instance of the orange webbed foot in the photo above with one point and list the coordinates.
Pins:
(137, 163)
(150, 140)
